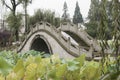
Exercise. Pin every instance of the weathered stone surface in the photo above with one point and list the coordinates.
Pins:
(59, 44)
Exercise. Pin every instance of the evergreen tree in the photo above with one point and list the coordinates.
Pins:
(93, 11)
(65, 15)
(116, 31)
(77, 18)
(93, 16)
(103, 24)
(109, 14)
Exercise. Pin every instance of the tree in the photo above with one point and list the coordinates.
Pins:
(25, 4)
(93, 11)
(116, 32)
(14, 22)
(93, 17)
(44, 15)
(91, 28)
(103, 26)
(77, 18)
(110, 20)
(65, 15)
(12, 8)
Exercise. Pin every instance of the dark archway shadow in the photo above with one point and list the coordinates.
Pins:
(41, 44)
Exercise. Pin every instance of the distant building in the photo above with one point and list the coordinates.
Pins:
(5, 37)
(3, 25)
(5, 33)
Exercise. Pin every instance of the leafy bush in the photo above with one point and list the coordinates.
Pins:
(31, 66)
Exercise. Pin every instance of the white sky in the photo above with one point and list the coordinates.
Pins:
(57, 6)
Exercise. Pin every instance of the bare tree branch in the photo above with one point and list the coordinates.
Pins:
(4, 3)
(18, 3)
(12, 2)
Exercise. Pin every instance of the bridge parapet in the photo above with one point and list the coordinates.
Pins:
(56, 34)
(81, 34)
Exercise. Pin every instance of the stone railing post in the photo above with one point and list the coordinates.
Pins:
(68, 43)
(51, 28)
(44, 24)
(37, 25)
(59, 33)
(60, 26)
(68, 24)
(90, 53)
(31, 29)
(75, 29)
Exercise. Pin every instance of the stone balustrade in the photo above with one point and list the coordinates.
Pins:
(55, 33)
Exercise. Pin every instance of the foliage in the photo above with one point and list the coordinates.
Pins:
(33, 53)
(13, 18)
(77, 18)
(17, 19)
(5, 67)
(14, 23)
(116, 31)
(94, 17)
(65, 15)
(25, 4)
(92, 28)
(44, 15)
(103, 25)
(110, 70)
(109, 14)
(9, 56)
(93, 14)
(34, 67)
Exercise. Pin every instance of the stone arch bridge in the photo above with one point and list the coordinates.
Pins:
(45, 37)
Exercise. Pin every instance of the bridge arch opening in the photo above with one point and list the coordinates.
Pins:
(41, 44)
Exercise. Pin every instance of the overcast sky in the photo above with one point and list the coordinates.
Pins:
(57, 6)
